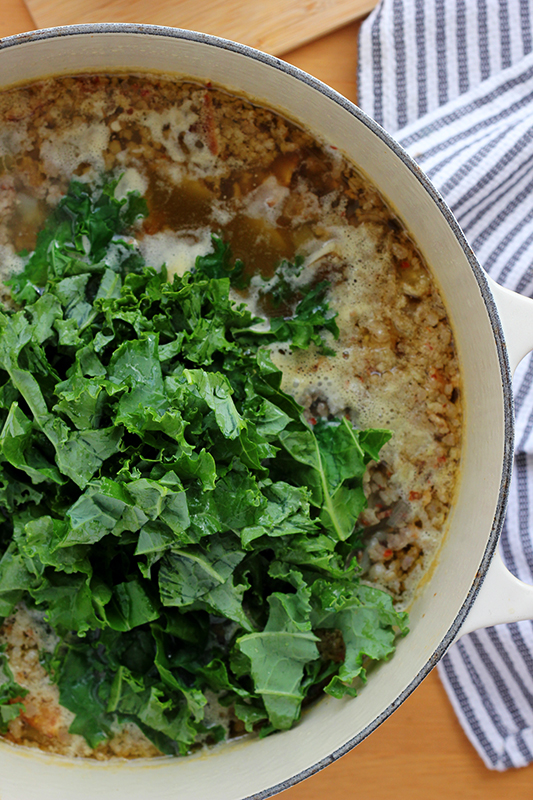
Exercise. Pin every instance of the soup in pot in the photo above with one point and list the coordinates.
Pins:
(223, 478)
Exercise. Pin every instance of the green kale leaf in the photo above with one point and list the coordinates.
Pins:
(165, 504)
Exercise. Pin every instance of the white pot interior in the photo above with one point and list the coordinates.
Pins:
(245, 769)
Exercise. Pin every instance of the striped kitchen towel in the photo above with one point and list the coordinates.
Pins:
(453, 81)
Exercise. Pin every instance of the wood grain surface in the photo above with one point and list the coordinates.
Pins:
(271, 25)
(421, 752)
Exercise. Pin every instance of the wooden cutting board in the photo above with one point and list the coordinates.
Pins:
(274, 26)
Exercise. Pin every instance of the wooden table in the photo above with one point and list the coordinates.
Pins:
(421, 752)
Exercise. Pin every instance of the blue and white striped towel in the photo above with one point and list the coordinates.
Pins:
(453, 81)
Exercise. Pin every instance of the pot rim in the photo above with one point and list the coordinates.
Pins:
(494, 319)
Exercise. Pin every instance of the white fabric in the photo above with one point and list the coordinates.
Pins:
(453, 81)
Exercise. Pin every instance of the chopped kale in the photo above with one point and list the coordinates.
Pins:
(165, 503)
(11, 694)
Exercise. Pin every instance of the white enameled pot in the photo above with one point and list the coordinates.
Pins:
(469, 587)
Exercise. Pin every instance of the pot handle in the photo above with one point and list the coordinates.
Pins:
(503, 597)
(516, 315)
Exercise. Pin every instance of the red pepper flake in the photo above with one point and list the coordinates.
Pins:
(312, 420)
(414, 496)
(387, 553)
(404, 264)
(145, 92)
